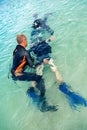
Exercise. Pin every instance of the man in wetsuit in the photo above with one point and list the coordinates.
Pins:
(22, 58)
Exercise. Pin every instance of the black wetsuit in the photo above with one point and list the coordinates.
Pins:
(42, 51)
(21, 58)
(40, 28)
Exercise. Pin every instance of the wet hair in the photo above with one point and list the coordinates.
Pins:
(37, 23)
(20, 38)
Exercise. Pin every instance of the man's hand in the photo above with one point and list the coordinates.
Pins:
(45, 61)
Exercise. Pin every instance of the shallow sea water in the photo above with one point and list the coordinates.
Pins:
(69, 21)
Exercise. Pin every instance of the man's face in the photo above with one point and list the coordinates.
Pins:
(25, 42)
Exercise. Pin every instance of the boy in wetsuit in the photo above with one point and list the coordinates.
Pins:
(42, 51)
(22, 58)
(41, 48)
(39, 28)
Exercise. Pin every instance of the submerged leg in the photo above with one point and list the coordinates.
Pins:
(39, 69)
(41, 86)
(45, 107)
(55, 70)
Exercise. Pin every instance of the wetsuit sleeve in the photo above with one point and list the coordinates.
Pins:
(29, 60)
(49, 30)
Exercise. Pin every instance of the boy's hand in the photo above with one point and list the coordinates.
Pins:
(52, 38)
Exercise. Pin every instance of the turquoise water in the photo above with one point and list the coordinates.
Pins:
(69, 21)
